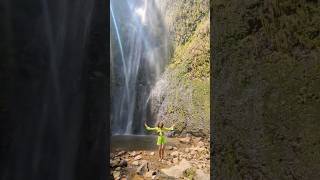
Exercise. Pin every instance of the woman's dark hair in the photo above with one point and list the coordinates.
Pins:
(160, 125)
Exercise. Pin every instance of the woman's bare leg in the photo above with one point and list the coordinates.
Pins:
(162, 150)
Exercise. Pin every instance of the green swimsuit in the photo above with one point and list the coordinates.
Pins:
(161, 137)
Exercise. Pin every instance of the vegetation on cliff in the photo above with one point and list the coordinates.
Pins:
(182, 95)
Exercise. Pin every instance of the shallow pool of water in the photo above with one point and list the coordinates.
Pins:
(135, 142)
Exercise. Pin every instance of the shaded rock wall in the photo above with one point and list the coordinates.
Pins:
(266, 88)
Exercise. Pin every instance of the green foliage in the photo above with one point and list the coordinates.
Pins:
(189, 72)
(193, 58)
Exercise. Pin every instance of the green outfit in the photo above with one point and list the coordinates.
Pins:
(161, 137)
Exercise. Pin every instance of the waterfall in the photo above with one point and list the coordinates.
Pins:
(139, 50)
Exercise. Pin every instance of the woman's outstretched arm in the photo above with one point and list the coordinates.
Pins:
(169, 129)
(149, 128)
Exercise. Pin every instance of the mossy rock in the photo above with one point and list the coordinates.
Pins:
(189, 173)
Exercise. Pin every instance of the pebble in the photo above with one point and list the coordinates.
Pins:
(196, 140)
(200, 144)
(135, 163)
(116, 174)
(186, 140)
(132, 153)
(123, 163)
(121, 153)
(175, 160)
(175, 154)
(138, 157)
(149, 174)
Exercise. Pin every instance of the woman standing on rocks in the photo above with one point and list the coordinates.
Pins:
(161, 141)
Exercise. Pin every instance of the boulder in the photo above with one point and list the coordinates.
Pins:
(175, 160)
(175, 154)
(200, 144)
(123, 163)
(189, 156)
(121, 153)
(116, 174)
(143, 168)
(185, 140)
(135, 163)
(169, 147)
(196, 140)
(149, 174)
(201, 175)
(132, 154)
(138, 157)
(177, 170)
(137, 177)
(115, 163)
(152, 154)
(189, 173)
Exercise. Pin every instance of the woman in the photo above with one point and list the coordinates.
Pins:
(161, 141)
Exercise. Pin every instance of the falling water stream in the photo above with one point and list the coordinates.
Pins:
(139, 51)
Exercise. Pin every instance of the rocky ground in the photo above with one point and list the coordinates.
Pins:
(187, 158)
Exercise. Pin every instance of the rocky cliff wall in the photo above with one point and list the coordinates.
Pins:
(266, 88)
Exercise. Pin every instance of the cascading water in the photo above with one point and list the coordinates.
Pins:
(139, 50)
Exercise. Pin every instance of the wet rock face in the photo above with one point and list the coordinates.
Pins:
(182, 17)
(181, 94)
(266, 88)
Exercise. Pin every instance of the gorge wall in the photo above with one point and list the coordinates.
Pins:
(266, 69)
(181, 94)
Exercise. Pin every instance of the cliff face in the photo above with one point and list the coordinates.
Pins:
(266, 88)
(181, 95)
